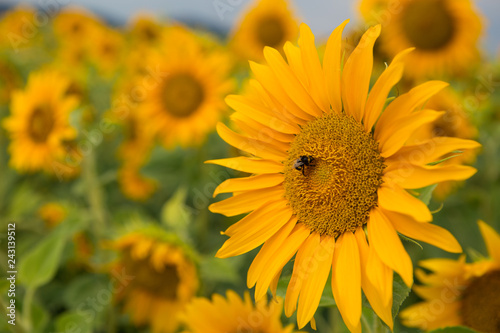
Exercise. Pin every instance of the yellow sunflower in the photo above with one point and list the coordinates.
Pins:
(268, 23)
(52, 214)
(76, 24)
(145, 29)
(184, 101)
(18, 28)
(164, 279)
(39, 122)
(453, 123)
(106, 51)
(233, 314)
(331, 170)
(444, 33)
(459, 293)
(133, 185)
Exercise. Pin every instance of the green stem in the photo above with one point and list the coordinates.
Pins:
(20, 327)
(27, 305)
(94, 193)
(367, 325)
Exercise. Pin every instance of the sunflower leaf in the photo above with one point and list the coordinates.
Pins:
(458, 152)
(454, 329)
(400, 292)
(425, 194)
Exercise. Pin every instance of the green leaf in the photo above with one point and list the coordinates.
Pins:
(454, 329)
(219, 270)
(73, 322)
(175, 215)
(399, 293)
(425, 194)
(40, 264)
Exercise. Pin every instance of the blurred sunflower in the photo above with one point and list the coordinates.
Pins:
(106, 51)
(52, 214)
(39, 122)
(13, 25)
(186, 100)
(453, 123)
(268, 23)
(138, 139)
(459, 293)
(165, 278)
(75, 24)
(444, 33)
(145, 30)
(133, 185)
(331, 169)
(10, 80)
(232, 314)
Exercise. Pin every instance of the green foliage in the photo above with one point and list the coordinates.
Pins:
(454, 329)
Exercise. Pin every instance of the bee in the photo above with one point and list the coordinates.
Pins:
(302, 162)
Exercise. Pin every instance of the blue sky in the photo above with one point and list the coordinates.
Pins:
(321, 15)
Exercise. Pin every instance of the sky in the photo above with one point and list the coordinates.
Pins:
(321, 15)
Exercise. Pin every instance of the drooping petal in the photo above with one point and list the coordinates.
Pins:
(492, 240)
(425, 232)
(332, 67)
(313, 286)
(422, 176)
(393, 198)
(357, 73)
(385, 241)
(346, 279)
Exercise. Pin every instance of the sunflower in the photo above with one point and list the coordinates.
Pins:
(133, 185)
(269, 23)
(76, 24)
(39, 122)
(52, 214)
(106, 51)
(459, 293)
(233, 314)
(453, 123)
(164, 280)
(145, 30)
(138, 139)
(13, 24)
(185, 99)
(444, 33)
(331, 170)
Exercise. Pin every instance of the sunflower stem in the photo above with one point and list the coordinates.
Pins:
(94, 193)
(366, 324)
(27, 304)
(20, 326)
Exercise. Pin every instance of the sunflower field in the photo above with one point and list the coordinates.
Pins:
(160, 177)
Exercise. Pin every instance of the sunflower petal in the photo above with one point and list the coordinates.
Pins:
(422, 176)
(385, 241)
(332, 67)
(249, 165)
(310, 60)
(357, 73)
(294, 59)
(492, 240)
(312, 289)
(346, 279)
(394, 198)
(249, 183)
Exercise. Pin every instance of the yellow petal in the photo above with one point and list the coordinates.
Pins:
(357, 73)
(290, 83)
(393, 198)
(260, 232)
(274, 284)
(300, 272)
(294, 59)
(249, 183)
(492, 240)
(422, 176)
(249, 165)
(313, 286)
(332, 66)
(387, 244)
(252, 146)
(255, 130)
(276, 263)
(425, 232)
(268, 250)
(246, 202)
(406, 103)
(381, 88)
(310, 60)
(346, 279)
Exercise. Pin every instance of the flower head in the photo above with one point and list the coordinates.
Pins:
(330, 176)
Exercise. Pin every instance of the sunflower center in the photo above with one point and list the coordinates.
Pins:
(481, 303)
(182, 95)
(162, 283)
(337, 190)
(270, 31)
(428, 24)
(441, 127)
(41, 123)
(131, 129)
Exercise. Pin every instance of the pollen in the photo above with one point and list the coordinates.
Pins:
(337, 191)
